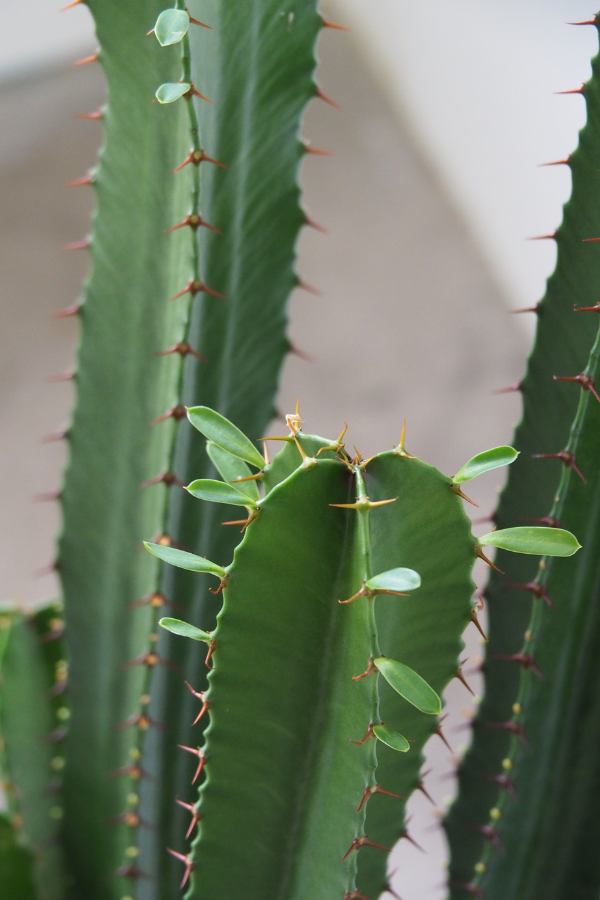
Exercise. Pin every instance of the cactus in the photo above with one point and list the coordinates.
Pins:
(525, 824)
(222, 340)
(198, 201)
(302, 729)
(33, 718)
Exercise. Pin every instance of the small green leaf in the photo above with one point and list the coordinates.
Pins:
(176, 626)
(224, 433)
(540, 541)
(231, 468)
(485, 462)
(396, 581)
(171, 26)
(184, 560)
(409, 685)
(219, 492)
(171, 91)
(391, 738)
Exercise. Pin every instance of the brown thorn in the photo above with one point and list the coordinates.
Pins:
(193, 92)
(194, 221)
(593, 21)
(481, 520)
(195, 287)
(569, 460)
(92, 116)
(183, 349)
(312, 224)
(300, 353)
(327, 24)
(440, 734)
(475, 621)
(304, 286)
(58, 377)
(524, 659)
(48, 569)
(167, 478)
(79, 182)
(201, 24)
(586, 382)
(175, 412)
(489, 833)
(538, 590)
(140, 720)
(78, 245)
(201, 756)
(371, 666)
(87, 59)
(421, 787)
(540, 237)
(525, 309)
(194, 813)
(67, 311)
(595, 308)
(321, 96)
(196, 157)
(189, 865)
(70, 5)
(149, 659)
(133, 872)
(406, 836)
(557, 162)
(574, 91)
(461, 678)
(514, 727)
(154, 599)
(512, 388)
(315, 151)
(503, 781)
(479, 552)
(457, 490)
(370, 733)
(376, 789)
(359, 842)
(47, 497)
(200, 695)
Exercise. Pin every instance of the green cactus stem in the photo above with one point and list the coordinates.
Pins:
(529, 784)
(299, 716)
(34, 717)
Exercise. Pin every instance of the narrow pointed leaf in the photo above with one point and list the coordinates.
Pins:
(171, 91)
(171, 26)
(406, 682)
(537, 540)
(224, 433)
(231, 468)
(184, 560)
(176, 626)
(218, 492)
(395, 580)
(485, 462)
(391, 738)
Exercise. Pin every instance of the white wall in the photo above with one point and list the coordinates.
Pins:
(477, 80)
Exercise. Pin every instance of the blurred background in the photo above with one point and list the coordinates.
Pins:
(447, 108)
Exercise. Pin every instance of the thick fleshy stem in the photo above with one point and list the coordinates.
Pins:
(150, 659)
(538, 588)
(362, 508)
